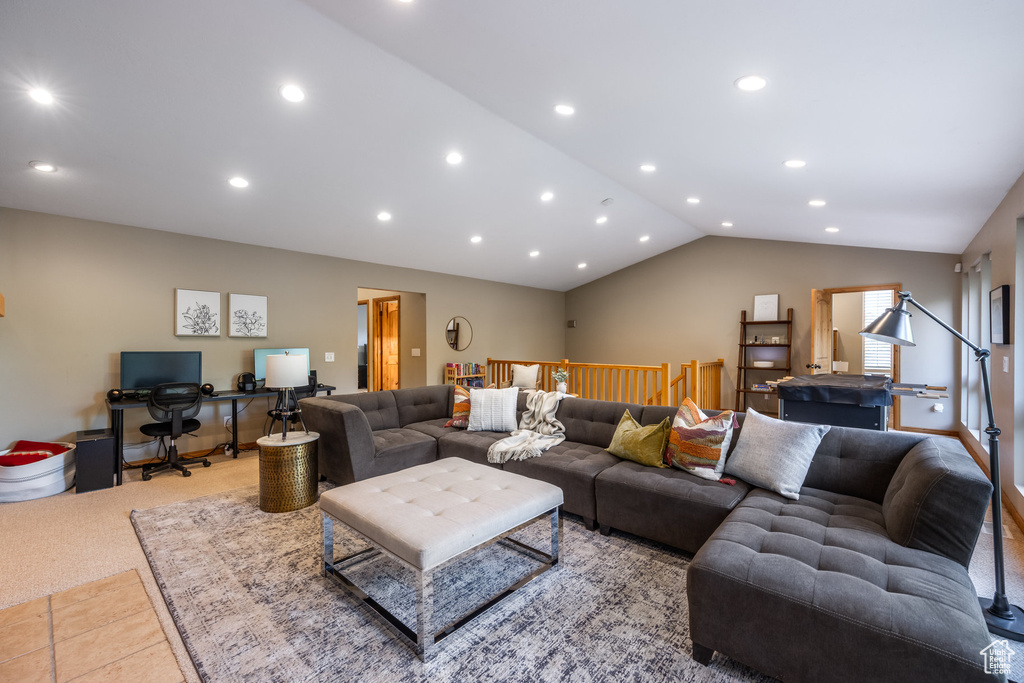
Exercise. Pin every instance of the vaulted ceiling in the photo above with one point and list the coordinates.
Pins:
(907, 114)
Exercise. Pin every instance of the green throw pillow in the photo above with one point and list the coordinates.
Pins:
(645, 445)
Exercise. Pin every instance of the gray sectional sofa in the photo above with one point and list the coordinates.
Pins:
(863, 578)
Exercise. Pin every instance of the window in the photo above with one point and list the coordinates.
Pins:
(877, 355)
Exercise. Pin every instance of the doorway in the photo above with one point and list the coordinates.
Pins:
(386, 343)
(362, 343)
(837, 316)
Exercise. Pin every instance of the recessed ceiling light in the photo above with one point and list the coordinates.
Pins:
(407, 2)
(565, 109)
(547, 196)
(534, 254)
(648, 168)
(582, 266)
(726, 224)
(42, 166)
(601, 220)
(383, 216)
(453, 158)
(693, 200)
(816, 202)
(751, 83)
(292, 92)
(476, 239)
(645, 238)
(795, 163)
(41, 96)
(238, 181)
(831, 229)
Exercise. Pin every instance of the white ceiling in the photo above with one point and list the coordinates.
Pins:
(908, 114)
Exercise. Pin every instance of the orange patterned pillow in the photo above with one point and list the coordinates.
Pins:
(697, 445)
(460, 409)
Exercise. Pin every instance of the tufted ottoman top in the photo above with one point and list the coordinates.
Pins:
(430, 513)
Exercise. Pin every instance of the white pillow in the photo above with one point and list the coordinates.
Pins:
(525, 376)
(774, 454)
(493, 410)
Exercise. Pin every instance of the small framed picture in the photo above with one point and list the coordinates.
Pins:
(775, 340)
(999, 315)
(766, 307)
(196, 313)
(247, 315)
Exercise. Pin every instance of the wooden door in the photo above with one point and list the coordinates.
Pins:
(386, 365)
(821, 332)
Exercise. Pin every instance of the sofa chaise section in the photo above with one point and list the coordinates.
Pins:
(818, 589)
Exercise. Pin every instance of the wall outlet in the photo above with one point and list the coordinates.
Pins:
(329, 357)
(415, 352)
(937, 408)
(1006, 363)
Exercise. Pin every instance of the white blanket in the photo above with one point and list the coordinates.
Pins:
(538, 430)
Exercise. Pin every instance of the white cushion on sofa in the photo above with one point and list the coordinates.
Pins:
(493, 410)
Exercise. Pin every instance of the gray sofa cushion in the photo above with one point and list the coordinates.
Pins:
(346, 441)
(592, 422)
(665, 505)
(572, 467)
(937, 500)
(379, 407)
(424, 403)
(470, 446)
(396, 449)
(841, 601)
(435, 428)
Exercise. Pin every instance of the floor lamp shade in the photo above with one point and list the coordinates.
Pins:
(285, 372)
(892, 327)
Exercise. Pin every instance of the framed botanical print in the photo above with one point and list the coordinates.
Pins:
(196, 313)
(247, 315)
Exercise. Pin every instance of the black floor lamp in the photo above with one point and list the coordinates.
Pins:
(893, 327)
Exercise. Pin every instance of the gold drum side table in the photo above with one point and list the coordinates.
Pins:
(288, 471)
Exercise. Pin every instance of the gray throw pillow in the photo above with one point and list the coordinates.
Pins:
(774, 454)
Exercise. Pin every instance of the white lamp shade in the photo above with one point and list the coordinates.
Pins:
(285, 372)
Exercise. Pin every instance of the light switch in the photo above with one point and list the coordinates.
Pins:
(415, 352)
(1006, 363)
(329, 357)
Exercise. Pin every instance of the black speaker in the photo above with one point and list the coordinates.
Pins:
(95, 463)
(115, 395)
(247, 382)
(207, 389)
(312, 378)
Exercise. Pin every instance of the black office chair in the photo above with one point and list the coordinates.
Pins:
(291, 400)
(175, 405)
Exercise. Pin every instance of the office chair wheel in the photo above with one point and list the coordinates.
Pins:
(206, 463)
(186, 473)
(146, 477)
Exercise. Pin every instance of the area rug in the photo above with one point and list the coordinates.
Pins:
(245, 591)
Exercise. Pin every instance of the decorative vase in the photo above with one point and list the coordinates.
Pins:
(560, 387)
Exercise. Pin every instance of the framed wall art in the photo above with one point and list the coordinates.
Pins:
(247, 315)
(196, 313)
(999, 315)
(766, 307)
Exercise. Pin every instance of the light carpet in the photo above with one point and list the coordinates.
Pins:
(245, 591)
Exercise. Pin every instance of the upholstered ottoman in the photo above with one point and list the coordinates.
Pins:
(428, 517)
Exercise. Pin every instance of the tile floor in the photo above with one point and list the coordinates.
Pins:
(105, 630)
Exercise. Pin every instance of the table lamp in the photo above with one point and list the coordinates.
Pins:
(284, 373)
(893, 327)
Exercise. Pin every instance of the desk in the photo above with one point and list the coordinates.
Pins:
(117, 409)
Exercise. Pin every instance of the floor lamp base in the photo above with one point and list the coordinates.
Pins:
(1012, 628)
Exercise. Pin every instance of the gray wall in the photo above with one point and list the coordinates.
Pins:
(79, 292)
(848, 319)
(686, 304)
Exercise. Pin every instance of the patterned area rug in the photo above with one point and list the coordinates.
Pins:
(245, 592)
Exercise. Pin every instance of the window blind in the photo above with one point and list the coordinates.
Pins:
(877, 355)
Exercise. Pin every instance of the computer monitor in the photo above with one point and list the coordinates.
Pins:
(260, 359)
(146, 369)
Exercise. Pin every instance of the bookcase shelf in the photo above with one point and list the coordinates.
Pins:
(744, 363)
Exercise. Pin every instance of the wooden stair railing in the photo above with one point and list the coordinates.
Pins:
(701, 381)
(602, 381)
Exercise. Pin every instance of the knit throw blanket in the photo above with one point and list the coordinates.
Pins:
(538, 430)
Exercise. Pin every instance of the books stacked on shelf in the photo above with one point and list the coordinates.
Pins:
(464, 369)
(760, 387)
(773, 383)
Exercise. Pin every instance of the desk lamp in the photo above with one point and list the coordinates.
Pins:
(893, 327)
(284, 373)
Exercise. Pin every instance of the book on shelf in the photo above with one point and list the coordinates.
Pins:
(757, 386)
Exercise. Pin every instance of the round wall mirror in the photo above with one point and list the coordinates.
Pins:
(459, 333)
